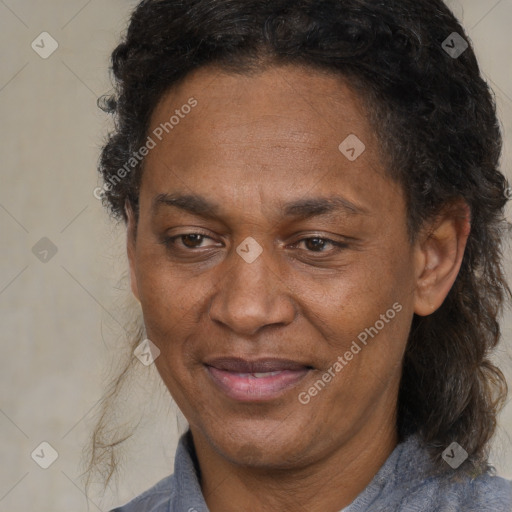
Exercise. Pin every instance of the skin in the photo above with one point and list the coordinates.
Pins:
(252, 145)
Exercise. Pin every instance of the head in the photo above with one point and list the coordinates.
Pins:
(319, 179)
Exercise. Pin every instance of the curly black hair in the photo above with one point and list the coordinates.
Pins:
(435, 118)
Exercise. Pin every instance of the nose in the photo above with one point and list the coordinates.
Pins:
(251, 296)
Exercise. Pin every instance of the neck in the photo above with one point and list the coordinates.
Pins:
(328, 484)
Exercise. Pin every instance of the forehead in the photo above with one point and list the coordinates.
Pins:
(298, 105)
(262, 131)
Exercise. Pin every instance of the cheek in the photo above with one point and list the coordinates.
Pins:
(175, 313)
(164, 297)
(162, 307)
(357, 294)
(372, 306)
(380, 313)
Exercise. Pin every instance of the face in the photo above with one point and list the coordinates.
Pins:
(274, 269)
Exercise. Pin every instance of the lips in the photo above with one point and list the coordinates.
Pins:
(239, 365)
(255, 380)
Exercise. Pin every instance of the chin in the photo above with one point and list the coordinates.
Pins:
(260, 443)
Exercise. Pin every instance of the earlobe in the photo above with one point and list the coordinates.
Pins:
(439, 253)
(131, 227)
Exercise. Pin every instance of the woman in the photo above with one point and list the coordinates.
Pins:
(314, 214)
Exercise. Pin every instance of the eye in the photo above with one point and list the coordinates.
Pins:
(319, 245)
(186, 241)
(191, 241)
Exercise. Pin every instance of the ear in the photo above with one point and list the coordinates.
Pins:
(131, 230)
(439, 252)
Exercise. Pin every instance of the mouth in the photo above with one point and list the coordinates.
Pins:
(256, 380)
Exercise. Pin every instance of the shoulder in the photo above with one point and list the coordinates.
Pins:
(481, 494)
(409, 481)
(485, 493)
(179, 491)
(155, 499)
(451, 490)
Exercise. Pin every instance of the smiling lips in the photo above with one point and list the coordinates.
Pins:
(255, 381)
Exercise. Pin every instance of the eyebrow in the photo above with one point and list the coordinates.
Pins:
(301, 208)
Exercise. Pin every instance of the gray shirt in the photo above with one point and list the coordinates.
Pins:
(403, 484)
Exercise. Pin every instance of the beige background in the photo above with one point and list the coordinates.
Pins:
(61, 319)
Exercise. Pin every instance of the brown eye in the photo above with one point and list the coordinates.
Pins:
(319, 245)
(187, 242)
(315, 244)
(192, 241)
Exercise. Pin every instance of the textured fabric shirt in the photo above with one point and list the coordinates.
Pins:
(403, 484)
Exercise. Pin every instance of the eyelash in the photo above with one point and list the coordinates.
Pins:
(169, 242)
